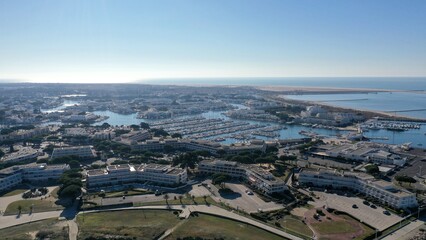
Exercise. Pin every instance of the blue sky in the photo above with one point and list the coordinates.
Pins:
(123, 41)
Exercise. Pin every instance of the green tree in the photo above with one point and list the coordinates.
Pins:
(71, 191)
(135, 127)
(176, 135)
(372, 169)
(144, 125)
(405, 178)
(1, 153)
(74, 164)
(166, 197)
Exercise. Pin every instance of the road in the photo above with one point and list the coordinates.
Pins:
(72, 229)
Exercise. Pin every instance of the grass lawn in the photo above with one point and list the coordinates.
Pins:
(295, 225)
(367, 230)
(333, 227)
(211, 227)
(137, 224)
(14, 192)
(343, 226)
(39, 206)
(27, 231)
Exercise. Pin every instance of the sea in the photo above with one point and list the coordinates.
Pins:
(408, 98)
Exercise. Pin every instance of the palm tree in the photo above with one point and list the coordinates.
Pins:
(180, 199)
(166, 197)
(19, 209)
(205, 199)
(193, 198)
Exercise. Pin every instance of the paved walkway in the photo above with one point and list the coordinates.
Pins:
(12, 220)
(72, 229)
(404, 232)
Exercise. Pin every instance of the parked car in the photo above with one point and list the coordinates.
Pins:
(373, 206)
(366, 203)
(354, 206)
(386, 212)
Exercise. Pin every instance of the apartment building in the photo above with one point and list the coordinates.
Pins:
(34, 173)
(198, 145)
(104, 135)
(24, 134)
(254, 175)
(79, 151)
(23, 154)
(155, 174)
(383, 191)
(362, 152)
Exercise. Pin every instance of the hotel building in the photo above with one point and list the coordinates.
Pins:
(13, 176)
(384, 192)
(155, 174)
(79, 151)
(254, 175)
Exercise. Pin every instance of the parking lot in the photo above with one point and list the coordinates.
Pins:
(240, 199)
(373, 217)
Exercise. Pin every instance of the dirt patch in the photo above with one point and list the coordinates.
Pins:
(300, 212)
(332, 226)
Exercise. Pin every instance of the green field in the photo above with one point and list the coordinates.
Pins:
(140, 224)
(333, 227)
(343, 226)
(14, 192)
(39, 206)
(25, 231)
(295, 225)
(210, 227)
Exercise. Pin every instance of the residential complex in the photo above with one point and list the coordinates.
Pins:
(254, 175)
(155, 174)
(79, 151)
(24, 134)
(135, 136)
(22, 155)
(383, 191)
(13, 176)
(361, 151)
(198, 145)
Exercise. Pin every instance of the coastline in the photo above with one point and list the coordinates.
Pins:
(365, 112)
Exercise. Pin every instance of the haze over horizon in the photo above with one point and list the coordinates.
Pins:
(129, 41)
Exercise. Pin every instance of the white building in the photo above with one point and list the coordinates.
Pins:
(25, 134)
(136, 136)
(198, 145)
(79, 151)
(383, 191)
(363, 152)
(104, 135)
(34, 173)
(24, 154)
(154, 174)
(256, 176)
